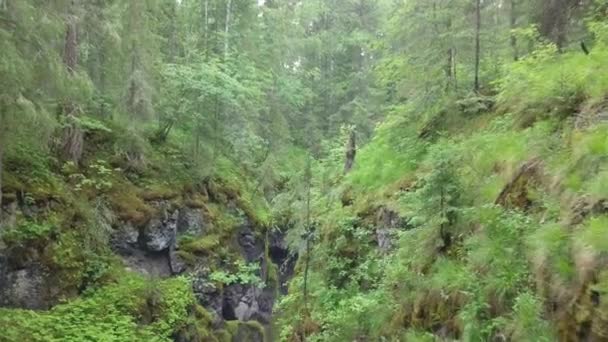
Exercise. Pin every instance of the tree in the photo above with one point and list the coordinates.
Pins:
(554, 20)
(73, 135)
(477, 43)
(351, 151)
(513, 26)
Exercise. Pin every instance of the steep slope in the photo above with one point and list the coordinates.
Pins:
(479, 218)
(144, 247)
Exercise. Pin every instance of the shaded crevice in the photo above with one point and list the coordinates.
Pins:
(228, 311)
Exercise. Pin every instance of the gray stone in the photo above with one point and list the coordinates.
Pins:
(190, 222)
(208, 295)
(176, 263)
(159, 234)
(155, 264)
(281, 256)
(387, 222)
(252, 248)
(24, 288)
(9, 215)
(124, 239)
(246, 302)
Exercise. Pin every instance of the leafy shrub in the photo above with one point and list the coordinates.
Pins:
(111, 313)
(247, 274)
(28, 231)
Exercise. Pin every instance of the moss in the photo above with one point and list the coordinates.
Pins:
(187, 257)
(128, 205)
(244, 331)
(204, 244)
(222, 220)
(160, 192)
(272, 273)
(223, 335)
(196, 201)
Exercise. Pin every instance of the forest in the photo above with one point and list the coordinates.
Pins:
(303, 170)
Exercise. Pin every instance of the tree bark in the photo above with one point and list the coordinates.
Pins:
(449, 67)
(513, 26)
(73, 136)
(477, 43)
(351, 152)
(308, 232)
(206, 28)
(70, 51)
(554, 20)
(173, 34)
(227, 28)
(2, 144)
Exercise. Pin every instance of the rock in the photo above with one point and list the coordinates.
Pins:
(176, 263)
(252, 248)
(24, 288)
(207, 295)
(124, 238)
(9, 215)
(159, 234)
(280, 255)
(387, 222)
(385, 238)
(246, 302)
(155, 264)
(190, 222)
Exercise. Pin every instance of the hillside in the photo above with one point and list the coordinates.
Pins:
(343, 170)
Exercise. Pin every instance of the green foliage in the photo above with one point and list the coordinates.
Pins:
(27, 232)
(528, 323)
(392, 155)
(593, 232)
(239, 108)
(98, 178)
(549, 84)
(246, 274)
(112, 313)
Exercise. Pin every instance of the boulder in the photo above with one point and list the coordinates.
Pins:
(246, 302)
(280, 255)
(159, 234)
(208, 295)
(190, 222)
(24, 288)
(155, 264)
(252, 248)
(387, 221)
(124, 238)
(176, 263)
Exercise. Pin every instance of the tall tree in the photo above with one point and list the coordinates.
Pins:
(477, 43)
(73, 135)
(513, 26)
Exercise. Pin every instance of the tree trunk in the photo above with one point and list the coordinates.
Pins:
(70, 51)
(513, 26)
(308, 233)
(206, 28)
(449, 66)
(73, 137)
(477, 43)
(2, 144)
(227, 28)
(173, 34)
(554, 20)
(351, 152)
